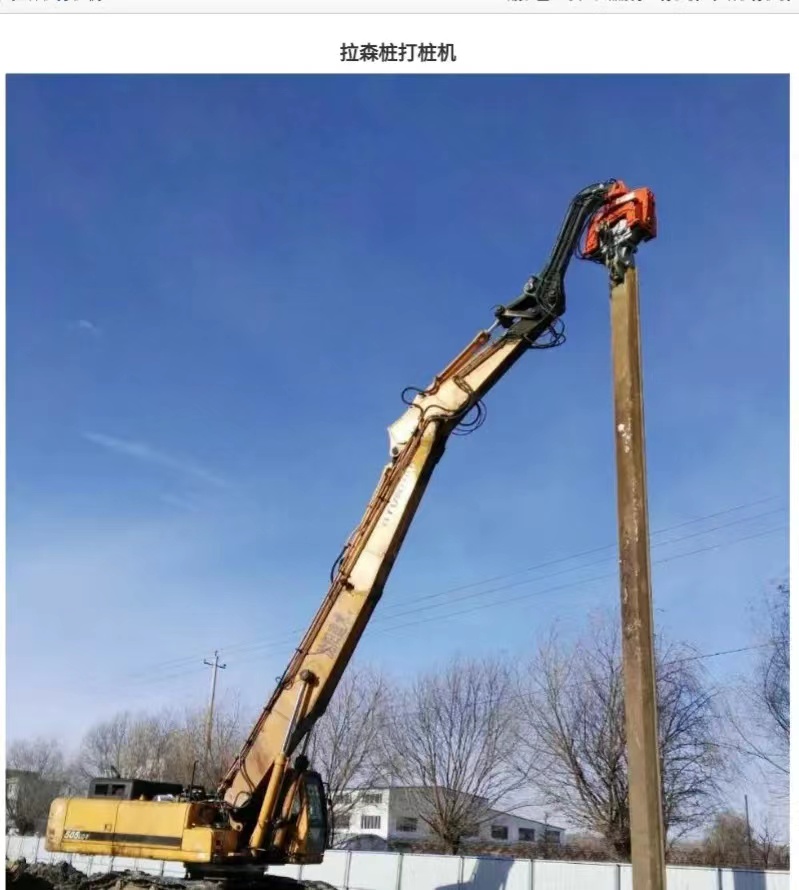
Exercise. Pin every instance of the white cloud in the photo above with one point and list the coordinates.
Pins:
(143, 452)
(89, 327)
(94, 576)
(173, 500)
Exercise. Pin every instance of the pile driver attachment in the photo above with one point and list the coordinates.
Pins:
(626, 220)
(271, 808)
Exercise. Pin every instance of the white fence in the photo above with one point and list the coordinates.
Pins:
(349, 870)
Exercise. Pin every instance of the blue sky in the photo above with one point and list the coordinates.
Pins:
(217, 289)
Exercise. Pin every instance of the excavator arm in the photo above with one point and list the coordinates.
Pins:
(417, 440)
(253, 786)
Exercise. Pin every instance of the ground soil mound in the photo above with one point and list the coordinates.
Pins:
(22, 875)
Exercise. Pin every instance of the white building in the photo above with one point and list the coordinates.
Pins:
(394, 814)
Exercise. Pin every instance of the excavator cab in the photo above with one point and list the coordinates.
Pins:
(301, 831)
(309, 838)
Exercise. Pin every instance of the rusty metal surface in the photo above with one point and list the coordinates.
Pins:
(646, 813)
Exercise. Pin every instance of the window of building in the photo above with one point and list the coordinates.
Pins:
(370, 821)
(406, 823)
(527, 834)
(553, 836)
(372, 797)
(342, 823)
(499, 832)
(342, 797)
(471, 830)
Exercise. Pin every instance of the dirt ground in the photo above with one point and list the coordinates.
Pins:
(23, 875)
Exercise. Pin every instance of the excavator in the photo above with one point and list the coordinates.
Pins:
(271, 807)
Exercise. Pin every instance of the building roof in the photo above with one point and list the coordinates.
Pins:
(395, 787)
(548, 825)
(368, 788)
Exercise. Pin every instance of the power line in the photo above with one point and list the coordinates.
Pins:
(702, 656)
(391, 611)
(505, 601)
(290, 635)
(584, 566)
(387, 611)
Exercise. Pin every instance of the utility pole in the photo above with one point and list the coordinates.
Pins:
(216, 667)
(640, 699)
(748, 829)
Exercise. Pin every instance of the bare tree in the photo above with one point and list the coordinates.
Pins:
(771, 852)
(164, 746)
(573, 733)
(692, 760)
(189, 743)
(131, 746)
(759, 710)
(36, 773)
(104, 749)
(775, 668)
(728, 840)
(731, 842)
(449, 741)
(152, 742)
(344, 743)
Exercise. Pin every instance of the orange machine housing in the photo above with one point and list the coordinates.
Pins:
(635, 208)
